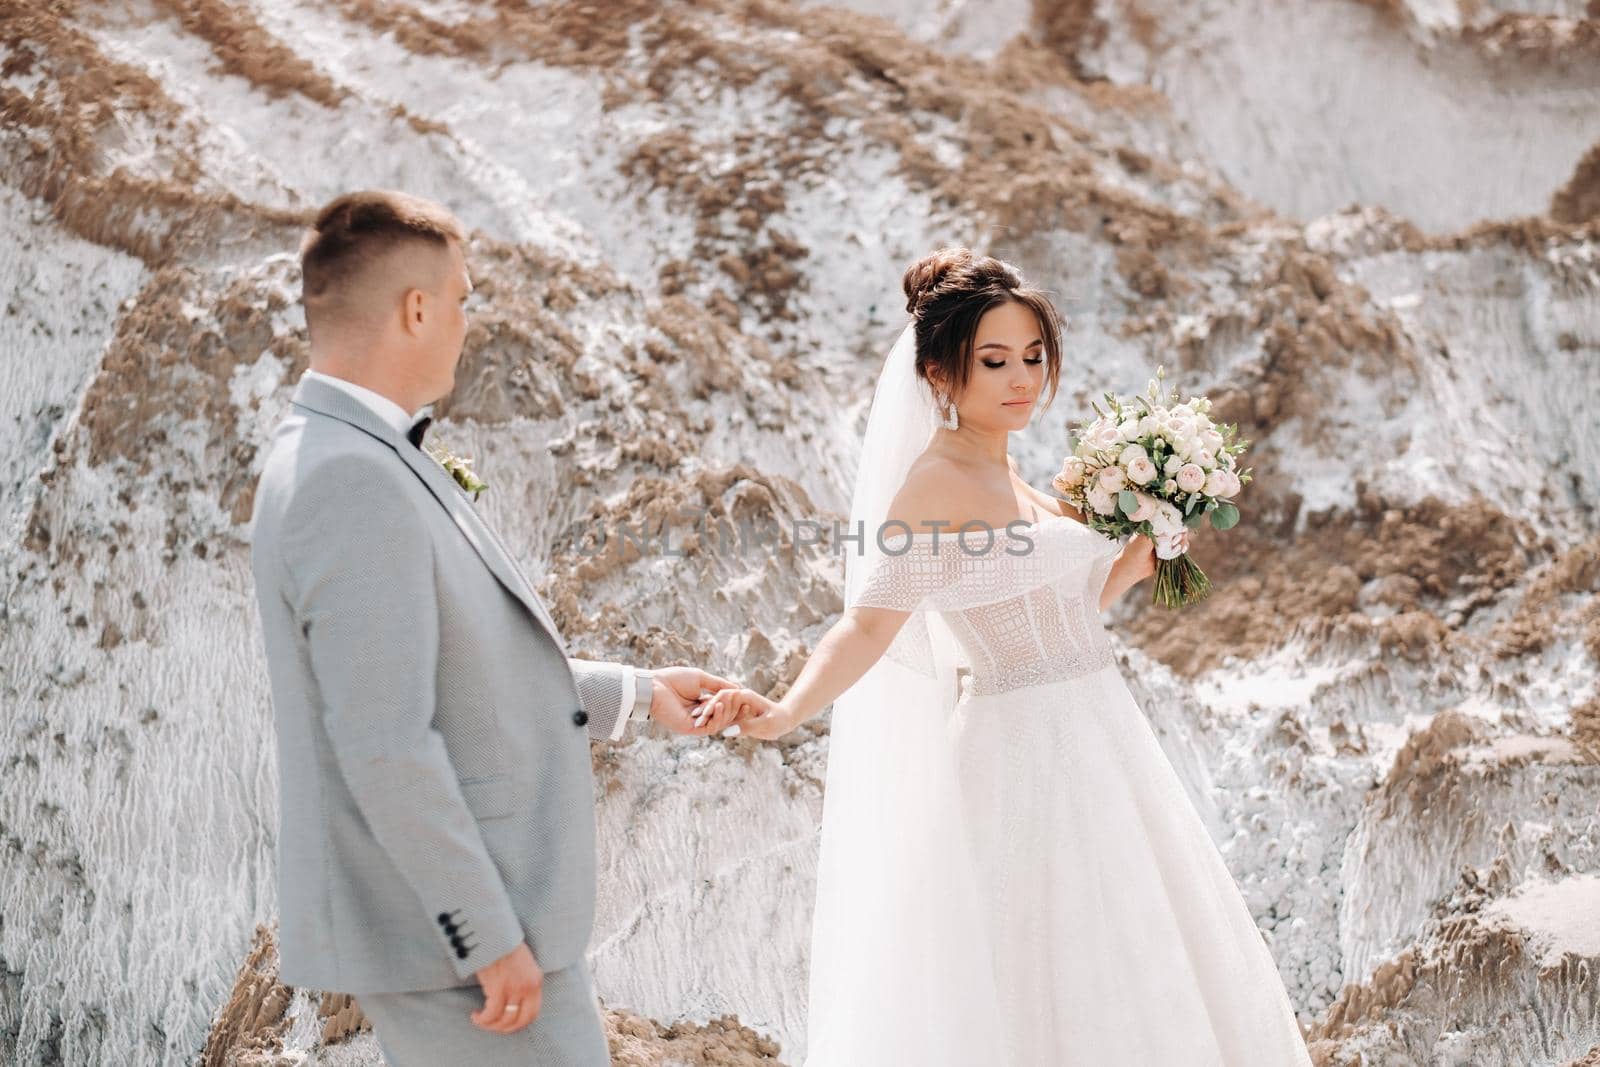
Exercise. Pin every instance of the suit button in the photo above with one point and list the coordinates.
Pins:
(444, 917)
(580, 716)
(461, 952)
(450, 928)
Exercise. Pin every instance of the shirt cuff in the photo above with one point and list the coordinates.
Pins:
(637, 687)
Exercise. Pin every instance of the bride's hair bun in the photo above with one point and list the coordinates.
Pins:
(923, 277)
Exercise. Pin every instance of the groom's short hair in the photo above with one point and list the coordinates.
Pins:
(356, 232)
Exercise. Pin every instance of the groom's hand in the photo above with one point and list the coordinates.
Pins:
(676, 699)
(514, 979)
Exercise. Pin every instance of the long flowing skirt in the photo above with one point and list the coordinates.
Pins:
(1023, 882)
(1117, 933)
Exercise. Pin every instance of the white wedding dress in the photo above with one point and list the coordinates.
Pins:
(1011, 874)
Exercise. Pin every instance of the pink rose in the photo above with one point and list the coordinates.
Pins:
(1141, 471)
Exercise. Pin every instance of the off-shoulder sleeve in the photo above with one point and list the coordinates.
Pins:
(905, 579)
(949, 573)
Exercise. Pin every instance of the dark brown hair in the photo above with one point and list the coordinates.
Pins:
(949, 290)
(355, 230)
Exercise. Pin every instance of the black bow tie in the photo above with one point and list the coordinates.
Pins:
(418, 428)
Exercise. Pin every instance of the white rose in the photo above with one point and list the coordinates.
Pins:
(1129, 430)
(1102, 435)
(1142, 471)
(1233, 485)
(1191, 477)
(1169, 486)
(1111, 478)
(1100, 500)
(1204, 458)
(1216, 482)
(1211, 439)
(1173, 462)
(1130, 453)
(1071, 474)
(1167, 519)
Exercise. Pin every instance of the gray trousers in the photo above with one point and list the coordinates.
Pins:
(430, 1027)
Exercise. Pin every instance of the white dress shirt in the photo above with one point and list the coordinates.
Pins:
(637, 687)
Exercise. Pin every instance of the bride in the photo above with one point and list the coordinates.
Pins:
(1010, 871)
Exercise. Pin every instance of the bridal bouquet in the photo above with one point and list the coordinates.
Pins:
(1154, 466)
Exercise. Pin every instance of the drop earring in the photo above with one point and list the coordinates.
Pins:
(948, 417)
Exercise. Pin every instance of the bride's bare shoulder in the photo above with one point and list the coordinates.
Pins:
(937, 493)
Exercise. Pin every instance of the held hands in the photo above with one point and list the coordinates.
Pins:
(678, 703)
(513, 988)
(757, 716)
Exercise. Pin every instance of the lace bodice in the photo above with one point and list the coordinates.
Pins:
(1023, 607)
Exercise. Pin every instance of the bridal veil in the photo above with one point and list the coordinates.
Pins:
(900, 962)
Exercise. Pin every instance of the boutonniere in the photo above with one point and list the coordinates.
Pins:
(459, 468)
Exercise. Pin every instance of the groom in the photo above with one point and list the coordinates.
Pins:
(436, 828)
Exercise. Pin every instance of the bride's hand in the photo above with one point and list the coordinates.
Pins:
(1138, 557)
(1140, 553)
(755, 715)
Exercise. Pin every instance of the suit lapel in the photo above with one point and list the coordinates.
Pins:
(335, 403)
(471, 524)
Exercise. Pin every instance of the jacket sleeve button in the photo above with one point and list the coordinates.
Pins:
(580, 716)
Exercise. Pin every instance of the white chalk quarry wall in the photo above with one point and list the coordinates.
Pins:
(1445, 112)
(1312, 107)
(690, 224)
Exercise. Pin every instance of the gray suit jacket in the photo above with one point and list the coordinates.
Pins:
(435, 791)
